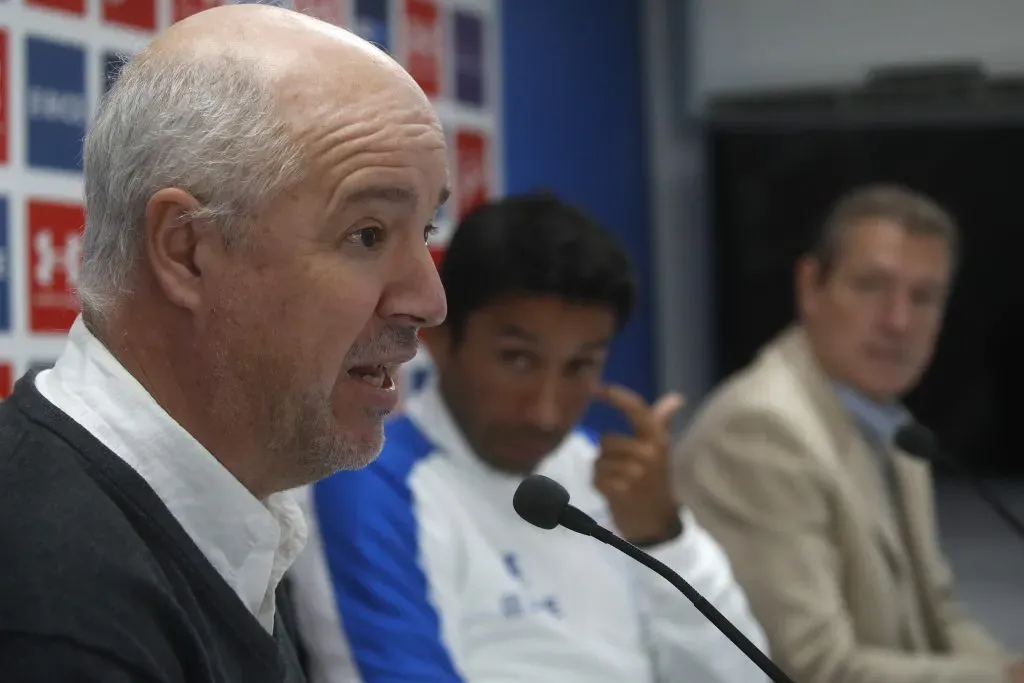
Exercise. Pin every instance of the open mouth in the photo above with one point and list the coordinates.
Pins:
(378, 376)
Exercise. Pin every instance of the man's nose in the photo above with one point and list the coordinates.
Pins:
(898, 312)
(415, 292)
(544, 409)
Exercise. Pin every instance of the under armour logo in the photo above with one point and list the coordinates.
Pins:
(52, 258)
(472, 177)
(422, 37)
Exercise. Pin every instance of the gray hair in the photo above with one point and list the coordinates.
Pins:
(917, 213)
(208, 126)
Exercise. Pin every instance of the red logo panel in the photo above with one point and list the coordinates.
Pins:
(423, 44)
(437, 253)
(55, 254)
(4, 94)
(6, 380)
(472, 186)
(139, 14)
(183, 9)
(73, 6)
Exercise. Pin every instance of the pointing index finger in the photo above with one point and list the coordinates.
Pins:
(633, 406)
(667, 406)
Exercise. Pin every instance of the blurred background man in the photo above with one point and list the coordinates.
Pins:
(791, 463)
(419, 569)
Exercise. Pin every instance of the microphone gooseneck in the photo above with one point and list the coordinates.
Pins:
(917, 440)
(544, 503)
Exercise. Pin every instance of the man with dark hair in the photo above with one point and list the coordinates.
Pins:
(418, 567)
(792, 463)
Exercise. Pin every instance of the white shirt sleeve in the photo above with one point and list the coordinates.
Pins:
(684, 644)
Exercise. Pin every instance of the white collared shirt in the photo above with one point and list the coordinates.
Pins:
(250, 543)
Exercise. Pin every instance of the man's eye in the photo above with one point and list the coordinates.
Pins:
(430, 231)
(368, 237)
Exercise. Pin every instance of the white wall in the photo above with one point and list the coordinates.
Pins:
(759, 43)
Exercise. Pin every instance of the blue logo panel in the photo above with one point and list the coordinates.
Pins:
(5, 268)
(469, 58)
(112, 64)
(371, 22)
(56, 107)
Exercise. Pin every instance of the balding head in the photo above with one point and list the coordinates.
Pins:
(258, 184)
(285, 45)
(216, 105)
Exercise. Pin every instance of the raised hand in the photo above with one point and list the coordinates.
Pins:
(632, 470)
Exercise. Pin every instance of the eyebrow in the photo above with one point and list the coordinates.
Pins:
(596, 345)
(392, 194)
(515, 332)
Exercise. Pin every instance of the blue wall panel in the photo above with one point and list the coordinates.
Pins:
(574, 123)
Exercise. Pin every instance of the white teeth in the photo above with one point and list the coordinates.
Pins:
(378, 377)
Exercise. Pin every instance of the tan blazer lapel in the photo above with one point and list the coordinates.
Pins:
(914, 481)
(866, 472)
(857, 460)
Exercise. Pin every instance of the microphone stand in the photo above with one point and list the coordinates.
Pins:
(544, 503)
(920, 442)
(989, 497)
(755, 655)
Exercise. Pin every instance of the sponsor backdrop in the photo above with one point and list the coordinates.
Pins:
(58, 57)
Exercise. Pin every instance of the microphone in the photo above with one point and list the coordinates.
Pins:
(544, 503)
(920, 442)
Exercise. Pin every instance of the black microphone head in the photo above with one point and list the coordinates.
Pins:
(917, 440)
(540, 501)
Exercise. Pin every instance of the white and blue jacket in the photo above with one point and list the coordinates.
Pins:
(419, 570)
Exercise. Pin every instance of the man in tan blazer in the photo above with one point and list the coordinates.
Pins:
(790, 464)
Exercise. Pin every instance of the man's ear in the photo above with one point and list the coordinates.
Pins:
(174, 243)
(807, 282)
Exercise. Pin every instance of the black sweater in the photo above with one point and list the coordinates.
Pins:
(98, 582)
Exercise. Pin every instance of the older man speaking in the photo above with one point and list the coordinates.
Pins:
(259, 186)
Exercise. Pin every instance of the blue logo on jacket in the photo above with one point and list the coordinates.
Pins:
(515, 604)
(512, 566)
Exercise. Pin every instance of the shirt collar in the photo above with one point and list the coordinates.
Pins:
(879, 421)
(251, 543)
(429, 411)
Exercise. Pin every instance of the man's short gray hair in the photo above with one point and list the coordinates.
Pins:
(917, 213)
(210, 127)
